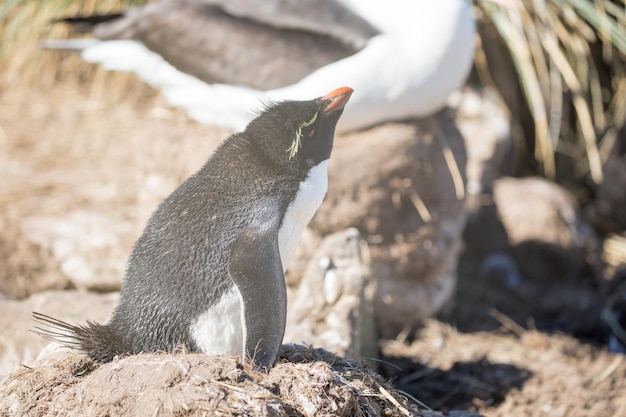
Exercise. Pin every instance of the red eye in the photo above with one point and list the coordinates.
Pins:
(311, 133)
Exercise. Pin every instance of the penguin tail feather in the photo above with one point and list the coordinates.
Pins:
(96, 340)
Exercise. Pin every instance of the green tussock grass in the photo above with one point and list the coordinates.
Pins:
(570, 60)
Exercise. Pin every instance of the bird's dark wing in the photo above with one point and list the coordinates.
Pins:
(261, 44)
(324, 17)
(255, 267)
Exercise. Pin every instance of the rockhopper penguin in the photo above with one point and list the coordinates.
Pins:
(207, 273)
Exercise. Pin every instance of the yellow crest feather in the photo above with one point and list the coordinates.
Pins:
(295, 145)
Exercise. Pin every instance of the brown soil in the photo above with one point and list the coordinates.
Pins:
(507, 374)
(62, 150)
(305, 382)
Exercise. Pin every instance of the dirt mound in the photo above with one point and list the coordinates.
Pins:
(306, 382)
(505, 373)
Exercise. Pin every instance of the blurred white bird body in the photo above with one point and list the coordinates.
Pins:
(423, 53)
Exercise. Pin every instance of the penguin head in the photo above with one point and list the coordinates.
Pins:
(299, 134)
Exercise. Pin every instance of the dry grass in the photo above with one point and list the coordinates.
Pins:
(24, 23)
(69, 132)
(569, 57)
(570, 61)
(305, 382)
(614, 253)
(505, 373)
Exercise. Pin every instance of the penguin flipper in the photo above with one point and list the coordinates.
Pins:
(255, 267)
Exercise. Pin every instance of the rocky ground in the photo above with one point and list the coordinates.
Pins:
(511, 269)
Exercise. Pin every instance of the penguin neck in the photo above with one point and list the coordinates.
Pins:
(301, 209)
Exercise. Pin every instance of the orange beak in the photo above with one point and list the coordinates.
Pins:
(339, 97)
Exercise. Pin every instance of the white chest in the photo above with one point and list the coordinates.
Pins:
(219, 331)
(308, 199)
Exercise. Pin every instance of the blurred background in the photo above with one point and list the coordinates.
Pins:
(540, 261)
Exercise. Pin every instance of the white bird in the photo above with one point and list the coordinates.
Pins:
(402, 57)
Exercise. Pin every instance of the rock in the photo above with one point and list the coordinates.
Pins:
(402, 186)
(538, 223)
(86, 245)
(305, 382)
(18, 345)
(25, 267)
(332, 308)
(550, 240)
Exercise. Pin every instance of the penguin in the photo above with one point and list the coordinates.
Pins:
(207, 274)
